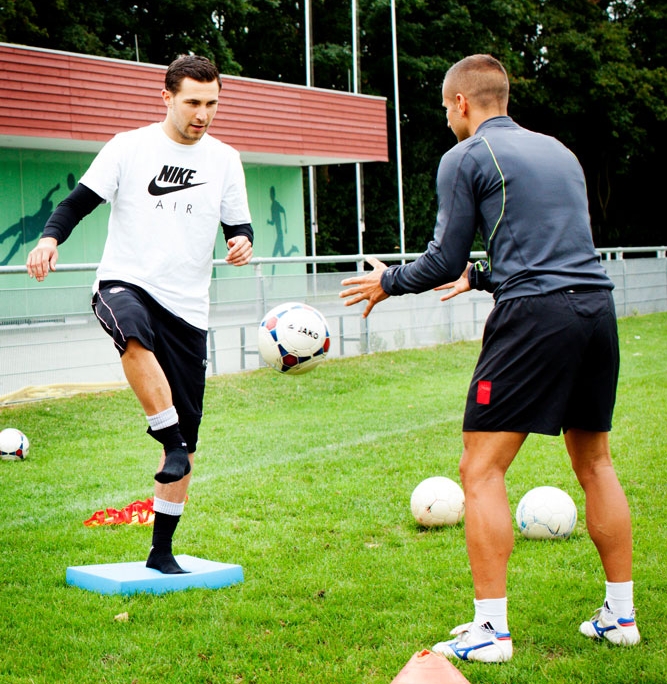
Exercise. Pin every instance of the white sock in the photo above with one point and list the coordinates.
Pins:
(619, 599)
(167, 507)
(163, 419)
(493, 611)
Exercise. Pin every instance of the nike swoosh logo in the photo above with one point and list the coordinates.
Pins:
(155, 189)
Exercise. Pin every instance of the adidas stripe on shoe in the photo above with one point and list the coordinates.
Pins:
(482, 645)
(603, 625)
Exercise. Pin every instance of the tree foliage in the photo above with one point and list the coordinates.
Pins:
(591, 72)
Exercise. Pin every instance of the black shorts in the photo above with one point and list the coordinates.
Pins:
(126, 311)
(548, 363)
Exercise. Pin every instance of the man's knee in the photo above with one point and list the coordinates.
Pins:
(189, 425)
(134, 348)
(589, 451)
(487, 455)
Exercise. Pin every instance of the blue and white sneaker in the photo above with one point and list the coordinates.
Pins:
(605, 625)
(481, 644)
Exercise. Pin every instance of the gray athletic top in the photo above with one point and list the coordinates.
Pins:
(526, 194)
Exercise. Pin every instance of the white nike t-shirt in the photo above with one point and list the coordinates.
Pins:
(167, 202)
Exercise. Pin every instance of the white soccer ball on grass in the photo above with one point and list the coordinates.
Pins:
(14, 445)
(437, 501)
(546, 513)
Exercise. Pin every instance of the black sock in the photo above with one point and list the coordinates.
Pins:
(161, 557)
(165, 563)
(177, 464)
(170, 437)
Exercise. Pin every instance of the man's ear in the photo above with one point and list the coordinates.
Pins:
(461, 103)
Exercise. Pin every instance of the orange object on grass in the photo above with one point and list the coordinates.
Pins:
(426, 667)
(136, 513)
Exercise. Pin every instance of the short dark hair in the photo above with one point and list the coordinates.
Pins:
(190, 66)
(481, 78)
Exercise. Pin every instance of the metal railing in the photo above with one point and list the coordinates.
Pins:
(607, 253)
(50, 337)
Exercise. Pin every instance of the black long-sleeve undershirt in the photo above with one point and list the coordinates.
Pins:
(78, 204)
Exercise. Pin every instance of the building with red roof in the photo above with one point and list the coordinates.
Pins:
(57, 109)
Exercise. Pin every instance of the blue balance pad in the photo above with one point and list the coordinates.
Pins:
(133, 578)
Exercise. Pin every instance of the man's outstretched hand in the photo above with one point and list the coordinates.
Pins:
(366, 287)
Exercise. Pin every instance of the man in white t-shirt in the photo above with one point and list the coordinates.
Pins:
(170, 186)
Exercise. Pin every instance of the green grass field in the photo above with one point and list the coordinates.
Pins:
(305, 481)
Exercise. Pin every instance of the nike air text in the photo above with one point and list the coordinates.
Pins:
(177, 178)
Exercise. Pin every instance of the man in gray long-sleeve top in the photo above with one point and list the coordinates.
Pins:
(549, 359)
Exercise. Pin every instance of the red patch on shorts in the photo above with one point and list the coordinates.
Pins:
(484, 392)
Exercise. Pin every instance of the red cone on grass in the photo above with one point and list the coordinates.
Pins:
(426, 667)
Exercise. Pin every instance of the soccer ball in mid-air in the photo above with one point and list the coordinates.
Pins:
(437, 501)
(546, 513)
(14, 445)
(293, 338)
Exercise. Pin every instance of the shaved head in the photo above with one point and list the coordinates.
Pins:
(482, 79)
